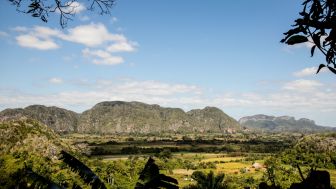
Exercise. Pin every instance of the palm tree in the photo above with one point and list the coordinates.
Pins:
(207, 181)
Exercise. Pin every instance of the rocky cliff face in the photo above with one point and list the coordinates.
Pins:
(282, 123)
(128, 117)
(212, 119)
(59, 119)
(137, 117)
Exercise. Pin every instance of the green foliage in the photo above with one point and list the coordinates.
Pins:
(165, 154)
(312, 151)
(207, 181)
(279, 175)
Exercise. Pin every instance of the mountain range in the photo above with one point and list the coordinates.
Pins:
(281, 124)
(112, 117)
(128, 117)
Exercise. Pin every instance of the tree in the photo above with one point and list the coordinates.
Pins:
(207, 181)
(151, 178)
(317, 26)
(65, 9)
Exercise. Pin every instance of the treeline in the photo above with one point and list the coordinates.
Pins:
(229, 148)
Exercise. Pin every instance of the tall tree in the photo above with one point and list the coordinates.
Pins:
(317, 25)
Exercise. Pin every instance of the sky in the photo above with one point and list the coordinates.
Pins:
(187, 54)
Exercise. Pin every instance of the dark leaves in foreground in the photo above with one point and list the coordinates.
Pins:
(40, 181)
(84, 172)
(317, 26)
(150, 178)
(27, 178)
(66, 10)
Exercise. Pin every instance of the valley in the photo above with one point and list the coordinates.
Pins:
(105, 138)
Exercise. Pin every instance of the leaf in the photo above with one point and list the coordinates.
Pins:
(312, 50)
(317, 39)
(333, 70)
(40, 181)
(320, 67)
(43, 18)
(295, 39)
(84, 172)
(35, 15)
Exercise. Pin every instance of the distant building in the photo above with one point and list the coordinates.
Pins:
(257, 165)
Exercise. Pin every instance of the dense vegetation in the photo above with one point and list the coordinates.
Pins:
(228, 161)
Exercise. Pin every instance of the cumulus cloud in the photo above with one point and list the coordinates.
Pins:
(302, 85)
(104, 90)
(91, 35)
(122, 47)
(102, 57)
(308, 72)
(20, 29)
(55, 80)
(31, 41)
(75, 7)
(185, 96)
(305, 72)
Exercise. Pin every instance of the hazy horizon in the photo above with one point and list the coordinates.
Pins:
(185, 110)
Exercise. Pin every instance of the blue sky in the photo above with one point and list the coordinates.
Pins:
(187, 54)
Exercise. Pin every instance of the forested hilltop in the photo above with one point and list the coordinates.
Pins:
(112, 117)
(128, 117)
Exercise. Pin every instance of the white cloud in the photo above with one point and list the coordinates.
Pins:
(104, 90)
(302, 85)
(91, 35)
(20, 29)
(311, 71)
(179, 95)
(102, 57)
(75, 7)
(305, 72)
(45, 32)
(310, 104)
(55, 80)
(36, 43)
(122, 47)
(72, 7)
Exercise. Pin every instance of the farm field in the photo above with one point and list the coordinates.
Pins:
(232, 166)
(180, 156)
